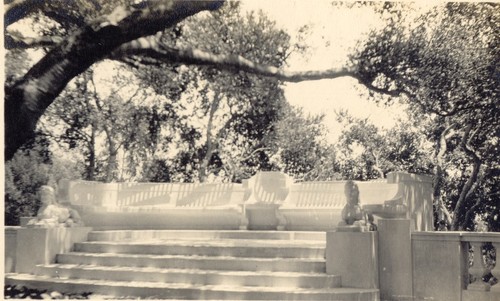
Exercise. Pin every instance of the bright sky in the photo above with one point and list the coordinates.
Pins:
(333, 32)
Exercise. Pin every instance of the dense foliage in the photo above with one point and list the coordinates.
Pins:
(445, 65)
(33, 166)
(204, 100)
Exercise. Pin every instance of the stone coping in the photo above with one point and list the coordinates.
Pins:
(456, 236)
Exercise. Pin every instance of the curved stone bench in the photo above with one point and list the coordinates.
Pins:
(318, 205)
(267, 201)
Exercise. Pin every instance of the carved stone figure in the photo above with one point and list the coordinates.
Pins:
(352, 210)
(51, 214)
(354, 218)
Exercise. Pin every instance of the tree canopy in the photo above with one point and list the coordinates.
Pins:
(444, 65)
(128, 33)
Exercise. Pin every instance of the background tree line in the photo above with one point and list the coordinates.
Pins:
(199, 99)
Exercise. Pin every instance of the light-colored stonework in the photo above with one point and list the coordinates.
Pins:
(269, 200)
(402, 260)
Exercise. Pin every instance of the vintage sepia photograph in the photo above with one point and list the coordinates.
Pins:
(251, 150)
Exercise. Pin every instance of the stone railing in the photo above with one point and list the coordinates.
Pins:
(453, 266)
(483, 268)
(269, 200)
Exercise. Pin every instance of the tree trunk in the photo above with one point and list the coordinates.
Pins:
(469, 214)
(439, 176)
(203, 171)
(91, 170)
(112, 164)
(458, 223)
(112, 168)
(467, 189)
(377, 166)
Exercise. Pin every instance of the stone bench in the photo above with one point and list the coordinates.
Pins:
(313, 205)
(318, 205)
(157, 205)
(267, 201)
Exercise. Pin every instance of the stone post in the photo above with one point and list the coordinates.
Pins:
(353, 256)
(41, 245)
(394, 253)
(439, 266)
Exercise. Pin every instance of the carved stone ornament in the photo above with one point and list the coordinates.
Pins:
(51, 214)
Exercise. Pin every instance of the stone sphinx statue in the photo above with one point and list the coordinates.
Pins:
(51, 214)
(353, 215)
(352, 211)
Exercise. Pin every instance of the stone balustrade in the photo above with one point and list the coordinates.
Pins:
(269, 200)
(10, 240)
(483, 270)
(456, 266)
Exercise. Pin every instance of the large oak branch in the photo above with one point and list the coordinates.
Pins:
(151, 48)
(17, 9)
(28, 98)
(17, 41)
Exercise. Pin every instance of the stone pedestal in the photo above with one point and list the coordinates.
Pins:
(263, 217)
(394, 253)
(353, 256)
(41, 245)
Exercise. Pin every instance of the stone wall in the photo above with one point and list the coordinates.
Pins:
(27, 247)
(10, 242)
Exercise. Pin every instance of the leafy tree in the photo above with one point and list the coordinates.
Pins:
(221, 115)
(360, 133)
(298, 146)
(78, 41)
(27, 98)
(32, 167)
(72, 121)
(125, 122)
(157, 171)
(407, 149)
(445, 66)
(369, 152)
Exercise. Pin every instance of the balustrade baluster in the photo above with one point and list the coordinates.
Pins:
(495, 271)
(478, 268)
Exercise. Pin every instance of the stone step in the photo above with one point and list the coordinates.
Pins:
(196, 277)
(241, 248)
(188, 291)
(228, 263)
(120, 235)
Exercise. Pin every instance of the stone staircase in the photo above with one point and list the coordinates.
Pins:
(198, 265)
